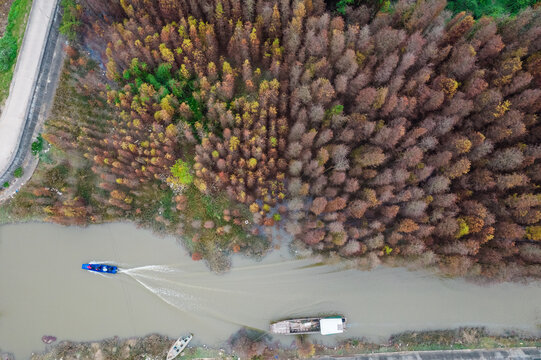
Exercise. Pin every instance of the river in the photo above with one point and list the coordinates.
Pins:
(160, 289)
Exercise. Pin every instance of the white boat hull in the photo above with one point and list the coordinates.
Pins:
(178, 346)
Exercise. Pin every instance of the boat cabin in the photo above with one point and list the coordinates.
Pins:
(330, 326)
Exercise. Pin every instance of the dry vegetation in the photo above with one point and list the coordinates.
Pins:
(249, 344)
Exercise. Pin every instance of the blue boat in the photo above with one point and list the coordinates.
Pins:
(102, 268)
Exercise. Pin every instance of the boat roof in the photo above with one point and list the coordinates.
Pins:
(331, 326)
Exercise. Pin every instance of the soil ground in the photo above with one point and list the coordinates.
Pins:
(5, 5)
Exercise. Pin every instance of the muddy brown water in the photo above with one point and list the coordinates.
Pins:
(45, 292)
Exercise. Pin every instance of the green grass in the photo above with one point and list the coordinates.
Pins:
(496, 8)
(479, 8)
(166, 203)
(204, 207)
(8, 51)
(17, 18)
(5, 216)
(210, 244)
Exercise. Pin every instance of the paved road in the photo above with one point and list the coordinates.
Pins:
(40, 100)
(27, 70)
(478, 354)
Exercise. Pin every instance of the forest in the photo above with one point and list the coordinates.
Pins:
(404, 134)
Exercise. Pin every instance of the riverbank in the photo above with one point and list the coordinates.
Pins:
(245, 344)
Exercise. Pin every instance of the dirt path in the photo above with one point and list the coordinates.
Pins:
(474, 354)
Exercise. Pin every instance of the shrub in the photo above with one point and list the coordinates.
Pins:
(70, 20)
(18, 172)
(506, 160)
(8, 52)
(181, 171)
(56, 177)
(464, 229)
(533, 233)
(37, 145)
(318, 205)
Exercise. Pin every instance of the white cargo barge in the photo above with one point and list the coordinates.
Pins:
(325, 326)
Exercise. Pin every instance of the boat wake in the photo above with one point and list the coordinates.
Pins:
(265, 291)
(153, 268)
(181, 289)
(172, 295)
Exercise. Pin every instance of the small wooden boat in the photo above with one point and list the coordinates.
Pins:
(178, 346)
